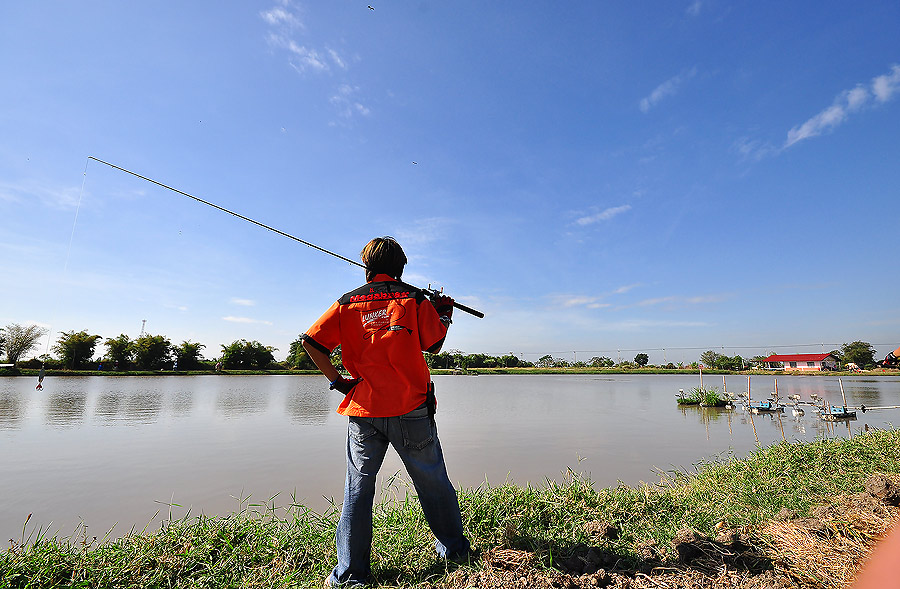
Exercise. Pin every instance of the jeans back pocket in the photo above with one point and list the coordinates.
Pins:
(417, 429)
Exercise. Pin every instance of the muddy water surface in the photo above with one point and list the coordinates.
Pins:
(112, 451)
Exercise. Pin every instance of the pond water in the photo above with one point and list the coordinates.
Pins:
(110, 452)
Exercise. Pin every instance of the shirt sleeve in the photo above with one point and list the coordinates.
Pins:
(325, 333)
(431, 331)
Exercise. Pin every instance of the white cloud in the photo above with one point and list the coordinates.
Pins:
(642, 324)
(337, 59)
(303, 58)
(346, 103)
(52, 197)
(754, 149)
(626, 288)
(656, 301)
(694, 300)
(233, 319)
(281, 17)
(423, 231)
(243, 302)
(603, 215)
(882, 89)
(667, 88)
(694, 7)
(579, 301)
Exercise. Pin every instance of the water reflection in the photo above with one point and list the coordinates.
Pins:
(144, 407)
(308, 407)
(65, 409)
(10, 411)
(108, 406)
(236, 402)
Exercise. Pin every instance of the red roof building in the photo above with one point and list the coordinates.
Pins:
(804, 362)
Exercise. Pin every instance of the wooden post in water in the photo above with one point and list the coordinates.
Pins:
(843, 396)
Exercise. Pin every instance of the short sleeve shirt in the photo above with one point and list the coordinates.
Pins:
(382, 327)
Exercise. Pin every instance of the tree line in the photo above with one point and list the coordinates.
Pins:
(76, 351)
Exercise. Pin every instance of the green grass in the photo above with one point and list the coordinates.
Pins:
(264, 546)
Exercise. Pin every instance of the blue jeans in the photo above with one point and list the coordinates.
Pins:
(414, 437)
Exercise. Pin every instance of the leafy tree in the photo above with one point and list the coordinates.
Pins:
(602, 362)
(187, 355)
(242, 354)
(709, 358)
(641, 359)
(724, 362)
(120, 350)
(860, 353)
(509, 360)
(337, 359)
(442, 360)
(152, 352)
(76, 348)
(758, 361)
(18, 340)
(297, 356)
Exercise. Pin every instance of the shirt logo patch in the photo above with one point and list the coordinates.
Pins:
(383, 319)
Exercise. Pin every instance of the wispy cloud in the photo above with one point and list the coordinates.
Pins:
(52, 197)
(754, 149)
(242, 302)
(626, 288)
(694, 7)
(424, 231)
(879, 91)
(347, 104)
(642, 324)
(590, 301)
(604, 215)
(233, 319)
(667, 88)
(677, 300)
(284, 24)
(282, 17)
(580, 301)
(337, 59)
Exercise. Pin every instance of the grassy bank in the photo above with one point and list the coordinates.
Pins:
(536, 532)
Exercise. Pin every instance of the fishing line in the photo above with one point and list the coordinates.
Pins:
(263, 225)
(71, 239)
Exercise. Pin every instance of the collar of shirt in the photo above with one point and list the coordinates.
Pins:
(383, 278)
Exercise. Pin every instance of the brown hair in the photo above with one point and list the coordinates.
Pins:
(383, 255)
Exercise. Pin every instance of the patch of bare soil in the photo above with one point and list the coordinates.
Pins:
(821, 551)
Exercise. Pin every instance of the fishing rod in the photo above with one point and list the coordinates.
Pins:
(430, 291)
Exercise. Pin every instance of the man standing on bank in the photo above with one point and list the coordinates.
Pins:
(383, 327)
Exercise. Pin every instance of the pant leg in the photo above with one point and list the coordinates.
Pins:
(414, 436)
(366, 447)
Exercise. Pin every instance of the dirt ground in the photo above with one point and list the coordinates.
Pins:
(821, 551)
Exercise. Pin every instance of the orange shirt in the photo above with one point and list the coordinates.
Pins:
(382, 327)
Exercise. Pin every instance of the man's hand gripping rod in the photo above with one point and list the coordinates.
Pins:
(429, 291)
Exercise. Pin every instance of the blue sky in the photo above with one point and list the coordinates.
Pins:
(599, 178)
